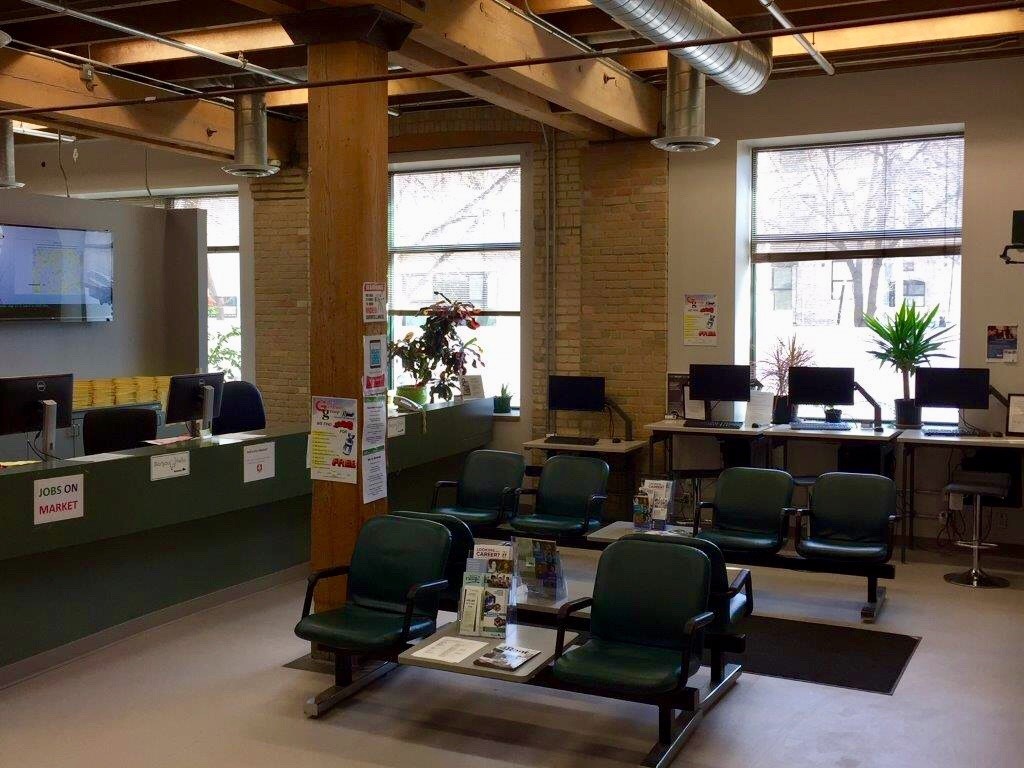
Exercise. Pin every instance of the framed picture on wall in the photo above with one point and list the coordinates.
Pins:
(1015, 415)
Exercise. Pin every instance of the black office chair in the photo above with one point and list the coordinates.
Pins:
(105, 430)
(241, 409)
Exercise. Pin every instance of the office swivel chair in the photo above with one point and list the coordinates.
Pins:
(105, 430)
(484, 491)
(241, 409)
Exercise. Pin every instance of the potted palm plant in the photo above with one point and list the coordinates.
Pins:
(438, 357)
(907, 341)
(784, 355)
(503, 402)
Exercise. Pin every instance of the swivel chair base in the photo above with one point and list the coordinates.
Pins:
(976, 578)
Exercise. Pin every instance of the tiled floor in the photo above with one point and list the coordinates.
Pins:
(210, 690)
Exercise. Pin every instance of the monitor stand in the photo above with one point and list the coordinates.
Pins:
(203, 427)
(49, 430)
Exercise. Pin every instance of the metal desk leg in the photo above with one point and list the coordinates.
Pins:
(651, 442)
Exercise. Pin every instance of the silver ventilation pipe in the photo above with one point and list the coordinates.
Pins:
(684, 110)
(741, 67)
(251, 138)
(7, 178)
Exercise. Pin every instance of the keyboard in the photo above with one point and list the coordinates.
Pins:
(824, 426)
(703, 424)
(953, 432)
(568, 440)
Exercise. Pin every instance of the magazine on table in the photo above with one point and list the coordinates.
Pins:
(507, 657)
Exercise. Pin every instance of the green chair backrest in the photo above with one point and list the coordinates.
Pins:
(718, 600)
(646, 591)
(853, 508)
(461, 547)
(486, 474)
(392, 554)
(751, 500)
(568, 482)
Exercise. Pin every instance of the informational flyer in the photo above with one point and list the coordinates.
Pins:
(472, 387)
(58, 498)
(396, 426)
(375, 303)
(375, 475)
(700, 320)
(168, 465)
(1002, 344)
(374, 356)
(258, 462)
(375, 421)
(334, 439)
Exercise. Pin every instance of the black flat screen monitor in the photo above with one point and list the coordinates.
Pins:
(21, 408)
(185, 396)
(576, 393)
(952, 388)
(820, 386)
(720, 383)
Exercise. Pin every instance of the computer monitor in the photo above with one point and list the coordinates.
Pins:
(576, 393)
(186, 397)
(720, 383)
(820, 386)
(23, 405)
(966, 388)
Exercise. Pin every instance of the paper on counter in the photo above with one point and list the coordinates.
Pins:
(450, 650)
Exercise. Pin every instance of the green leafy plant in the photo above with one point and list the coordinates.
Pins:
(506, 392)
(785, 354)
(907, 340)
(439, 354)
(222, 355)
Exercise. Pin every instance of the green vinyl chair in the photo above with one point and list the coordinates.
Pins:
(568, 500)
(749, 513)
(647, 616)
(484, 491)
(394, 579)
(461, 550)
(851, 519)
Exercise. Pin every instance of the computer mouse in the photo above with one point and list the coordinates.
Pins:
(616, 439)
(755, 425)
(996, 434)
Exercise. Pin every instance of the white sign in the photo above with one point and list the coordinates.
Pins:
(450, 650)
(375, 352)
(375, 418)
(472, 387)
(334, 439)
(700, 320)
(396, 426)
(169, 465)
(257, 462)
(375, 300)
(375, 475)
(58, 498)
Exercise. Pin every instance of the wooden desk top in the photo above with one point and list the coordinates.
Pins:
(857, 434)
(678, 426)
(604, 445)
(918, 437)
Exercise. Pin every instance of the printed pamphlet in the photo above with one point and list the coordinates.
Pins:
(507, 657)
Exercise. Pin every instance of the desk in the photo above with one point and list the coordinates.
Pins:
(912, 439)
(782, 434)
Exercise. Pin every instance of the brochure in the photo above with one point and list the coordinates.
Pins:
(661, 494)
(451, 650)
(507, 657)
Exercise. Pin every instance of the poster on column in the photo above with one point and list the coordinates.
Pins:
(700, 320)
(375, 475)
(1001, 344)
(374, 354)
(375, 421)
(375, 300)
(334, 439)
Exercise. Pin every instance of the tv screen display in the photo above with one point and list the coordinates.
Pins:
(56, 274)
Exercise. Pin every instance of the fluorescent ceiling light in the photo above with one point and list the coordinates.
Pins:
(39, 131)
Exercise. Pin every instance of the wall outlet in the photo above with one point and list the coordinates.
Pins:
(956, 502)
(1002, 519)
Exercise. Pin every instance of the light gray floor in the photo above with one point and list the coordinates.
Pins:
(210, 690)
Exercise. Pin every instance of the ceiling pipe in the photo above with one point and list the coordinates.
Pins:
(807, 45)
(684, 110)
(195, 50)
(251, 139)
(495, 66)
(742, 67)
(7, 177)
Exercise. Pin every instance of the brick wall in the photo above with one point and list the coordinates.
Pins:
(609, 274)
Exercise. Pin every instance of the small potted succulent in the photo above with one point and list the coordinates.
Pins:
(438, 357)
(503, 402)
(783, 356)
(907, 341)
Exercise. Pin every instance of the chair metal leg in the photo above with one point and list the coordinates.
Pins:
(976, 577)
(669, 745)
(327, 700)
(876, 597)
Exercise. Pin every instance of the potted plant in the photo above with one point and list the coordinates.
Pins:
(438, 356)
(907, 341)
(783, 356)
(503, 402)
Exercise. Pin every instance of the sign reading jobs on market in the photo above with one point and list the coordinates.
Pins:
(58, 498)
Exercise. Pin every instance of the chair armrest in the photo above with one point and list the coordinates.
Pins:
(705, 505)
(563, 616)
(437, 490)
(740, 583)
(698, 622)
(316, 576)
(595, 502)
(415, 591)
(518, 494)
(691, 630)
(503, 504)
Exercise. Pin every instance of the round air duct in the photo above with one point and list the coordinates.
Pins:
(684, 110)
(7, 178)
(251, 138)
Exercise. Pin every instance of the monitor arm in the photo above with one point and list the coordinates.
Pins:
(628, 422)
(49, 427)
(999, 396)
(1005, 255)
(874, 404)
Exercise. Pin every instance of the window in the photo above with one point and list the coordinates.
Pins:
(848, 221)
(223, 281)
(457, 232)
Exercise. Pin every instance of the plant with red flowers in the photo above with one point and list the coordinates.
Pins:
(439, 354)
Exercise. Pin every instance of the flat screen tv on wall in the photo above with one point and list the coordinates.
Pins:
(48, 273)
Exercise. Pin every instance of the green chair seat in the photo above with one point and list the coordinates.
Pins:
(851, 551)
(623, 667)
(742, 541)
(551, 524)
(471, 515)
(354, 627)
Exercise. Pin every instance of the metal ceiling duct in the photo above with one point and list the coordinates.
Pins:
(7, 177)
(741, 67)
(684, 110)
(251, 138)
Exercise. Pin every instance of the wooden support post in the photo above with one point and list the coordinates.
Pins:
(348, 205)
